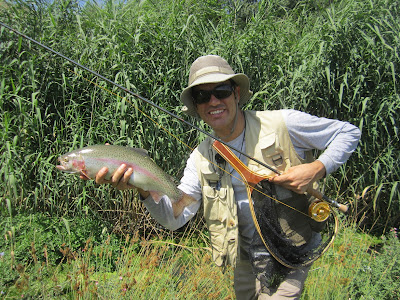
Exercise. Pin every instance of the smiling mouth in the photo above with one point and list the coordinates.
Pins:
(215, 112)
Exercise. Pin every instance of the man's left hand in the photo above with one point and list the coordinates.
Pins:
(299, 178)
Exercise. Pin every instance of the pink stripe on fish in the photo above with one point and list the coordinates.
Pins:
(130, 165)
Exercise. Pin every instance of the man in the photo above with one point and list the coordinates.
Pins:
(282, 139)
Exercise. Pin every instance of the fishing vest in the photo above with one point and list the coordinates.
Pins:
(267, 139)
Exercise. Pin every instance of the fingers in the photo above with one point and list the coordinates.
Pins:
(119, 180)
(290, 182)
(121, 177)
(101, 176)
(299, 178)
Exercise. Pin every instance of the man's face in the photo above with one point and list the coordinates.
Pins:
(219, 112)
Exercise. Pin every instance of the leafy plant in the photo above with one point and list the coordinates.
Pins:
(379, 275)
(337, 60)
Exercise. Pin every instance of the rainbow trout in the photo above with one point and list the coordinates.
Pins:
(146, 174)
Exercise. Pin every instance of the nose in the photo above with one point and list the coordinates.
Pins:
(214, 100)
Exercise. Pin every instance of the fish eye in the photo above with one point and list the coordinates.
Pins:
(66, 159)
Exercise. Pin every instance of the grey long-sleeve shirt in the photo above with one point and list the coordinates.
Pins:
(338, 139)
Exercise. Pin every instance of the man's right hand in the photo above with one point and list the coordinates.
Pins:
(119, 180)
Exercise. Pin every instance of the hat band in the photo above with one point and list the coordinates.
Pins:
(207, 70)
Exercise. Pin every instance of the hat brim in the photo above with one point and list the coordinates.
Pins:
(240, 79)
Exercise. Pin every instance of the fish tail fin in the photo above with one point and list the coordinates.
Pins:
(180, 197)
(187, 200)
(177, 196)
(156, 196)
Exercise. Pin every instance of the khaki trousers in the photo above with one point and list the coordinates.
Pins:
(247, 287)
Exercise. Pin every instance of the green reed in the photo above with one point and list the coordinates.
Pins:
(54, 258)
(336, 60)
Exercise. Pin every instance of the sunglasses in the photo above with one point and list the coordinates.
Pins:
(220, 92)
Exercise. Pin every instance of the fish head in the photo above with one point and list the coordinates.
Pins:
(71, 163)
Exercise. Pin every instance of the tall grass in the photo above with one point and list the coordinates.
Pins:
(40, 258)
(335, 60)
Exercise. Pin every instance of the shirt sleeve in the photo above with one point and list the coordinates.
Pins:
(162, 211)
(337, 139)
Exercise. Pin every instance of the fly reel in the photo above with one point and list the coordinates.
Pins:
(319, 210)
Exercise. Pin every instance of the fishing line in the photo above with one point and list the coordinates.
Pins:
(136, 95)
(134, 105)
(192, 149)
(321, 197)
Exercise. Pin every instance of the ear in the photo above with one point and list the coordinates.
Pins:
(237, 93)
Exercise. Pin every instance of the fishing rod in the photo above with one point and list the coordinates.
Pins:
(136, 95)
(310, 191)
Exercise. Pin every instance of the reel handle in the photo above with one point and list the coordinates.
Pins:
(317, 194)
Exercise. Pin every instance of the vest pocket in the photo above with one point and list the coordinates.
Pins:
(215, 213)
(214, 203)
(272, 151)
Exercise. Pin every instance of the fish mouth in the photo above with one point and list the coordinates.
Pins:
(61, 168)
(65, 170)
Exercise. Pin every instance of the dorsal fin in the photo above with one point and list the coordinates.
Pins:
(141, 151)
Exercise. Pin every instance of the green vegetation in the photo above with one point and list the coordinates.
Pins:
(89, 264)
(336, 59)
(42, 258)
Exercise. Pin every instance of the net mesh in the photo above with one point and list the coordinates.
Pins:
(286, 231)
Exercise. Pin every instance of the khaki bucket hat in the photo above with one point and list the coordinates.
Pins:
(212, 69)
